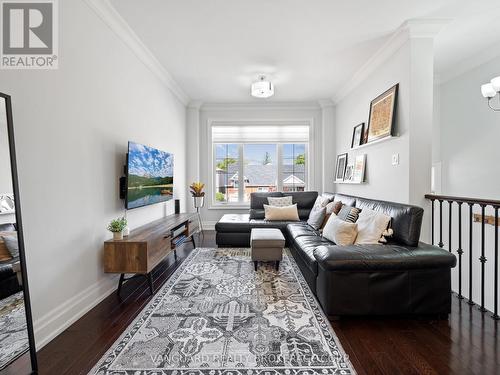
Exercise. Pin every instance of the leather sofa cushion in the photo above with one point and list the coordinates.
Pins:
(307, 245)
(256, 223)
(6, 270)
(382, 257)
(304, 199)
(295, 230)
(258, 200)
(260, 214)
(406, 220)
(234, 223)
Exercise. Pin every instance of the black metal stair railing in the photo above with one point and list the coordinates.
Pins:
(471, 202)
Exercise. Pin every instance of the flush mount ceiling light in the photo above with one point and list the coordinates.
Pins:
(262, 88)
(490, 90)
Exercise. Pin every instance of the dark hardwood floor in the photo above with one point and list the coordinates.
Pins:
(467, 343)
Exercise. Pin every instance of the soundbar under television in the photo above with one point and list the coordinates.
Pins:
(150, 176)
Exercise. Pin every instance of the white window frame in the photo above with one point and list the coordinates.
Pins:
(309, 174)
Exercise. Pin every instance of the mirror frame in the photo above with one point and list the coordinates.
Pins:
(20, 236)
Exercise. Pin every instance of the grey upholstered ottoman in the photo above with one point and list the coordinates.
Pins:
(267, 245)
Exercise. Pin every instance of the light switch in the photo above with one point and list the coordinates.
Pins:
(395, 159)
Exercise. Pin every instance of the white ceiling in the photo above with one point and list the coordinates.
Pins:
(214, 49)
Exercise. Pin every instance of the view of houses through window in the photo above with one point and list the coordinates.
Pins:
(263, 167)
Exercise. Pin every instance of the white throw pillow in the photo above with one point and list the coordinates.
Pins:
(287, 213)
(280, 202)
(371, 225)
(339, 231)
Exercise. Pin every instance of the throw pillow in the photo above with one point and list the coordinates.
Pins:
(371, 225)
(316, 217)
(334, 207)
(12, 245)
(348, 213)
(4, 252)
(281, 201)
(287, 213)
(339, 231)
(321, 201)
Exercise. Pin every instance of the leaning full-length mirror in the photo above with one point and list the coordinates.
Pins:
(16, 332)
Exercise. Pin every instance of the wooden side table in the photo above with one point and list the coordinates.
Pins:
(147, 246)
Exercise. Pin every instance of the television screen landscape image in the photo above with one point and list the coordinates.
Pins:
(150, 177)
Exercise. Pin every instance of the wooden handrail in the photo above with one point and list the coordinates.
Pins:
(479, 201)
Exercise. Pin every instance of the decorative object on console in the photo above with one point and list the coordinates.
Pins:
(340, 168)
(358, 172)
(358, 135)
(287, 213)
(339, 231)
(382, 114)
(281, 201)
(371, 226)
(490, 90)
(198, 195)
(116, 226)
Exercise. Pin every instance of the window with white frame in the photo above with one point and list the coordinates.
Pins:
(258, 158)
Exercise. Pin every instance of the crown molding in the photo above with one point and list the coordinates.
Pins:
(195, 104)
(326, 103)
(458, 68)
(414, 28)
(261, 106)
(105, 10)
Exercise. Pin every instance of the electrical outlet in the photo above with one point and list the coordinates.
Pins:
(395, 159)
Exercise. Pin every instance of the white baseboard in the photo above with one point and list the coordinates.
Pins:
(54, 322)
(209, 225)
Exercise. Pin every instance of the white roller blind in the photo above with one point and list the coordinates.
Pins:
(260, 133)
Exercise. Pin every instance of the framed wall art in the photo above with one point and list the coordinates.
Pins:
(382, 114)
(340, 168)
(358, 135)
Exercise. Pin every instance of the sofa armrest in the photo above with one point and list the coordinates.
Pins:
(382, 257)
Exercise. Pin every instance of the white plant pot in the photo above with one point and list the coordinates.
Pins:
(118, 235)
(198, 202)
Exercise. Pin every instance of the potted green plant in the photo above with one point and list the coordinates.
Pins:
(116, 226)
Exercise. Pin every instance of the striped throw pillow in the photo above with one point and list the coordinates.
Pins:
(349, 214)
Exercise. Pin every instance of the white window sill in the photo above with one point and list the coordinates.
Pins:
(228, 207)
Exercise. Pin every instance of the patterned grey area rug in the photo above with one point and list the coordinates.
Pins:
(216, 316)
(13, 329)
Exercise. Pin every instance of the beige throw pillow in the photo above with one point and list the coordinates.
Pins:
(339, 231)
(287, 213)
(371, 225)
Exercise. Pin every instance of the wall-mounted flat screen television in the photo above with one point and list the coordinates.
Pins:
(150, 176)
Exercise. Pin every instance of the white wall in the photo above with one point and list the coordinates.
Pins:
(251, 112)
(469, 155)
(72, 126)
(410, 65)
(469, 135)
(383, 181)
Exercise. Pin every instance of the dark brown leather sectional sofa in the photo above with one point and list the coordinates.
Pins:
(404, 276)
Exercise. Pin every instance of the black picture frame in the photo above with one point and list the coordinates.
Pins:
(340, 167)
(388, 131)
(358, 129)
(20, 233)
